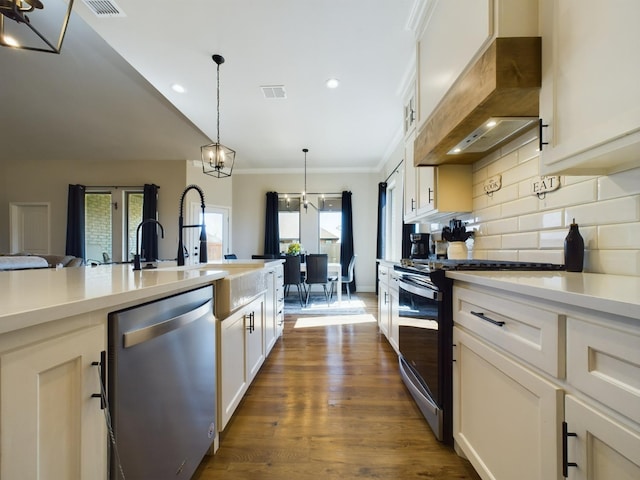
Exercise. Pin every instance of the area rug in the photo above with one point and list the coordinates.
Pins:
(318, 305)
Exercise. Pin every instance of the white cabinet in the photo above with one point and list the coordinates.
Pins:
(410, 181)
(590, 96)
(274, 306)
(527, 370)
(241, 353)
(52, 426)
(505, 417)
(394, 312)
(598, 447)
(384, 304)
(444, 190)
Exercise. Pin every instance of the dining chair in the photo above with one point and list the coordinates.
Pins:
(317, 273)
(230, 256)
(292, 275)
(346, 279)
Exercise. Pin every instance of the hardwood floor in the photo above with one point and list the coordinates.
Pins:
(329, 404)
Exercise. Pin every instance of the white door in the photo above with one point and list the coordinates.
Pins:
(30, 228)
(216, 220)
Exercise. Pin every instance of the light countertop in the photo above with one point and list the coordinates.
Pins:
(32, 297)
(614, 294)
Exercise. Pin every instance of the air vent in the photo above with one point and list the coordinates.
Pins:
(274, 92)
(104, 8)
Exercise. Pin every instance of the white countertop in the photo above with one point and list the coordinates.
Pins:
(615, 294)
(32, 297)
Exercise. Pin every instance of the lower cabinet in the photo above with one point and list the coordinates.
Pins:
(505, 417)
(597, 447)
(52, 426)
(394, 313)
(383, 300)
(241, 353)
(571, 413)
(274, 307)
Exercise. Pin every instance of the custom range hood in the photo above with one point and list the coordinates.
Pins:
(493, 101)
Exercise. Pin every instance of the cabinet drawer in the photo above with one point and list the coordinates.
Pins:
(604, 362)
(521, 328)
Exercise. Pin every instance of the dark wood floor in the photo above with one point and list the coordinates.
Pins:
(329, 404)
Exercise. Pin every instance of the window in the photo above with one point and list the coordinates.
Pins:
(330, 226)
(288, 221)
(111, 220)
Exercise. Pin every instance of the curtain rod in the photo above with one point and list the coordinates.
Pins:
(116, 186)
(393, 171)
(310, 193)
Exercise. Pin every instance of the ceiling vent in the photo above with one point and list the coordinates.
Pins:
(104, 8)
(274, 92)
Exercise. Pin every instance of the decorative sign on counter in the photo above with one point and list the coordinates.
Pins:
(545, 184)
(492, 184)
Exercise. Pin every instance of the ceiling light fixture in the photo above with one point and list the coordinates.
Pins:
(36, 31)
(217, 159)
(176, 87)
(333, 83)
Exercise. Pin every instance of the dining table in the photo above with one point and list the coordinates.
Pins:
(334, 269)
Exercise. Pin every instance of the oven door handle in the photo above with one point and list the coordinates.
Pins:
(420, 290)
(487, 319)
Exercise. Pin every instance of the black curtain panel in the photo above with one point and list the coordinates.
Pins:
(271, 227)
(382, 225)
(75, 222)
(149, 242)
(407, 230)
(346, 247)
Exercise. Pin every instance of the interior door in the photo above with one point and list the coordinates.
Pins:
(30, 228)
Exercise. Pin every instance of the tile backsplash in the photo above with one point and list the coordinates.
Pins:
(515, 224)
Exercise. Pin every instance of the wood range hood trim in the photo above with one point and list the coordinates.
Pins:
(504, 82)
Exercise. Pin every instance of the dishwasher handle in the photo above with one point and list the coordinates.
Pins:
(141, 335)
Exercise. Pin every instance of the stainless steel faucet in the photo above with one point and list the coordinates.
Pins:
(202, 252)
(136, 257)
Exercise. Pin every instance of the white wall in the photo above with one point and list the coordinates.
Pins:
(249, 203)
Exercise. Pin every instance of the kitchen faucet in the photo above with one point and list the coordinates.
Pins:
(203, 233)
(136, 257)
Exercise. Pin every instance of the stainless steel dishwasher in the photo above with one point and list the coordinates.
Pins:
(162, 386)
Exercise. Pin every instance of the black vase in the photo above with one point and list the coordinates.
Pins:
(573, 249)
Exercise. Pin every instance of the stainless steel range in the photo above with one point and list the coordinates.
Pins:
(426, 330)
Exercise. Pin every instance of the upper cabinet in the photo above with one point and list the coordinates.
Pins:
(590, 96)
(477, 60)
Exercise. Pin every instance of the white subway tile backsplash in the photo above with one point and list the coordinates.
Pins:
(619, 185)
(619, 236)
(542, 220)
(520, 207)
(514, 224)
(620, 210)
(518, 241)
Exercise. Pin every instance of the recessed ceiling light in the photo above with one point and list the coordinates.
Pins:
(176, 87)
(333, 83)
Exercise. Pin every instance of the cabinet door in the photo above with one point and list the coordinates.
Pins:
(232, 380)
(270, 322)
(602, 448)
(394, 313)
(426, 181)
(254, 328)
(505, 417)
(410, 192)
(52, 427)
(383, 308)
(590, 96)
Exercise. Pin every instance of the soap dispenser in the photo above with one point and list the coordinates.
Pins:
(573, 249)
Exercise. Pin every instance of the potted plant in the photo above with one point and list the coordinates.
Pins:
(294, 249)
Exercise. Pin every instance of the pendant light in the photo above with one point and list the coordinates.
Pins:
(217, 159)
(304, 192)
(28, 25)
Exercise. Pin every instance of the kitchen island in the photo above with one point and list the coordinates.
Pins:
(545, 374)
(53, 332)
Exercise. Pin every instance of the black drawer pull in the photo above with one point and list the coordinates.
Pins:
(487, 319)
(565, 454)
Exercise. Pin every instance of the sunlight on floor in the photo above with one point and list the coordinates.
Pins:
(327, 320)
(322, 307)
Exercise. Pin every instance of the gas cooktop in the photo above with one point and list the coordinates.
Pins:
(429, 265)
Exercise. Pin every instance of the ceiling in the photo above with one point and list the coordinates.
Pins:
(108, 95)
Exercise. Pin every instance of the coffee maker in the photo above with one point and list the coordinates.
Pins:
(419, 245)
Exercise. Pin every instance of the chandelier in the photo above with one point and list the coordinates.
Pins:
(217, 159)
(26, 25)
(305, 202)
